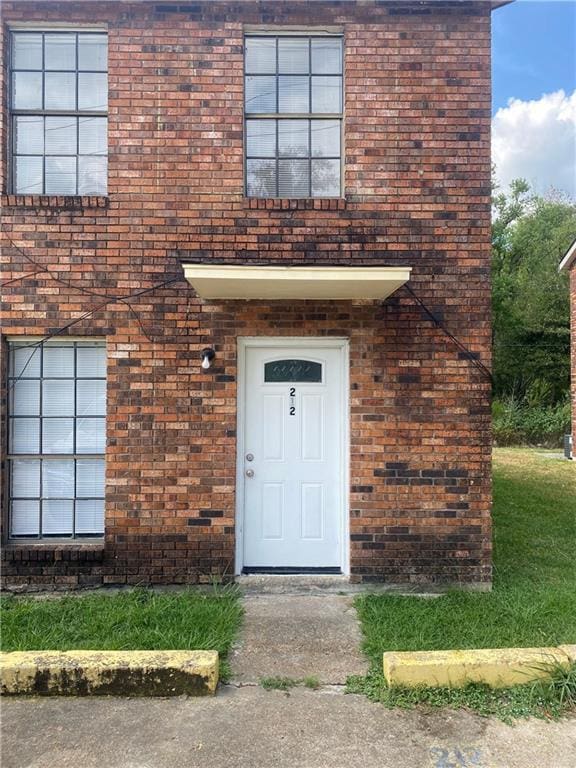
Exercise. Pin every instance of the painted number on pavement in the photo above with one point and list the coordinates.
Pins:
(456, 757)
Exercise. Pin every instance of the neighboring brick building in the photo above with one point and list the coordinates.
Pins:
(341, 432)
(568, 264)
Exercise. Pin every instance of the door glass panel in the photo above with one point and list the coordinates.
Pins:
(293, 370)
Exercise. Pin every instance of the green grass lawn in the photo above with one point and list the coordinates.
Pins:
(533, 602)
(132, 620)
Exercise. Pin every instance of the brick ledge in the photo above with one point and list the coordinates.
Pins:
(64, 202)
(73, 550)
(298, 204)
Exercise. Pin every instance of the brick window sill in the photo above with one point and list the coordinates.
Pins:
(299, 204)
(64, 202)
(18, 551)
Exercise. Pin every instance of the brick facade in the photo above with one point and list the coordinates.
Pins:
(417, 193)
(573, 352)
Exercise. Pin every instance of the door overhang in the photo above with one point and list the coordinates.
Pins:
(226, 281)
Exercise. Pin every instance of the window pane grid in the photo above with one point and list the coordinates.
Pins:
(51, 80)
(301, 77)
(299, 169)
(45, 497)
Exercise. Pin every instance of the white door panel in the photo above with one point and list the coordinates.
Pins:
(292, 462)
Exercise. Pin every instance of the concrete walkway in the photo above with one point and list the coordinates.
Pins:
(248, 727)
(298, 636)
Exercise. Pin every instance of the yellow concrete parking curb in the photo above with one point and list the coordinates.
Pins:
(497, 667)
(114, 673)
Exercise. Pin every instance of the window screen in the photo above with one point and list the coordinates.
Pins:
(58, 112)
(56, 440)
(293, 110)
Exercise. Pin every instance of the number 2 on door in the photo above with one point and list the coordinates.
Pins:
(292, 410)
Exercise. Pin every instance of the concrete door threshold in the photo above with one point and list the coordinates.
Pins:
(321, 584)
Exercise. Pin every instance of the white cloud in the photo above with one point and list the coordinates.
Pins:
(536, 140)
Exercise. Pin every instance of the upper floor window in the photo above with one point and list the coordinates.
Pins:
(293, 110)
(58, 113)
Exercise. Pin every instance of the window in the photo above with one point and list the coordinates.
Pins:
(58, 113)
(293, 110)
(292, 370)
(56, 440)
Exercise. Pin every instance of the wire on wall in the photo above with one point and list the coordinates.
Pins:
(468, 354)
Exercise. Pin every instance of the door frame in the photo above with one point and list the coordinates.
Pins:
(311, 342)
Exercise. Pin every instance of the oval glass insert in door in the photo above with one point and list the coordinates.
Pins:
(279, 371)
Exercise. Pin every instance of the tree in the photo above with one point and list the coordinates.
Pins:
(531, 334)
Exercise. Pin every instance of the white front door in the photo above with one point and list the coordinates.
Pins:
(292, 461)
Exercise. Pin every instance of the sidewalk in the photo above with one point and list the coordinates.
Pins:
(245, 726)
(298, 636)
(249, 727)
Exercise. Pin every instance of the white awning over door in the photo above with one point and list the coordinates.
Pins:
(223, 281)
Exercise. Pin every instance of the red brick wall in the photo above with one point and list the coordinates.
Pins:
(573, 345)
(417, 160)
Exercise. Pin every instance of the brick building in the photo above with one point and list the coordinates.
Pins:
(568, 264)
(236, 235)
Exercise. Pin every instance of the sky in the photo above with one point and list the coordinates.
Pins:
(534, 94)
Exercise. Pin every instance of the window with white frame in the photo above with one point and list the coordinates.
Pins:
(293, 111)
(58, 112)
(56, 438)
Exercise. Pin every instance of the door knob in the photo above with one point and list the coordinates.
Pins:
(249, 473)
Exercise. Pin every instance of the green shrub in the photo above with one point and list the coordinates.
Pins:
(516, 422)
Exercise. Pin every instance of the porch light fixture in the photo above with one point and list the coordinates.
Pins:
(208, 355)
